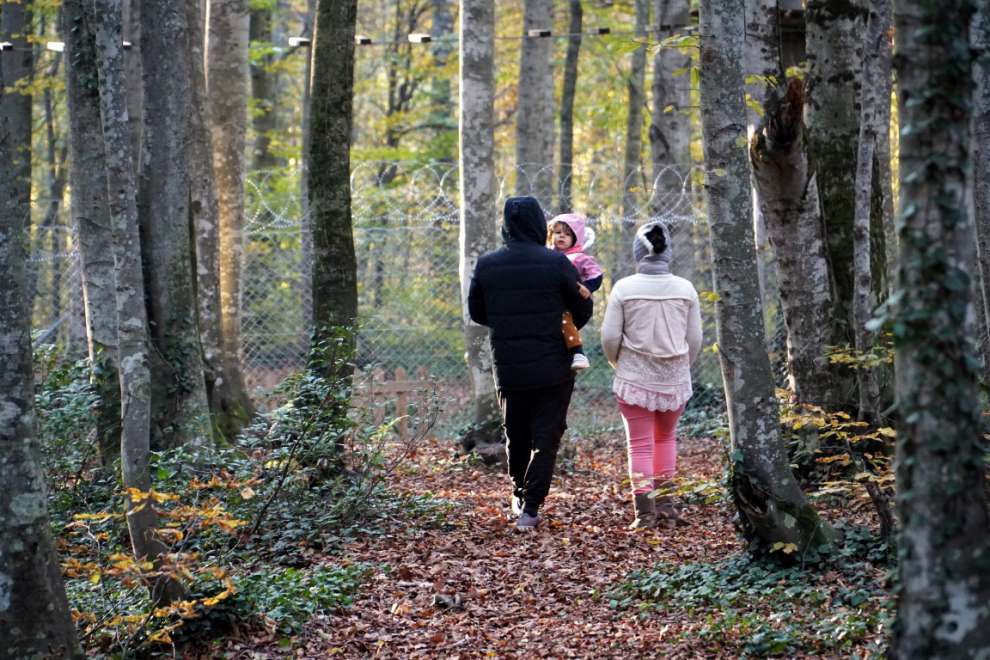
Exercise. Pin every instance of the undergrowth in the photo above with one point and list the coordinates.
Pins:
(758, 608)
(253, 529)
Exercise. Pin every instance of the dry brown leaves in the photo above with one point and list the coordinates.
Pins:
(474, 587)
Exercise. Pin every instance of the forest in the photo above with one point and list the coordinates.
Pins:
(259, 373)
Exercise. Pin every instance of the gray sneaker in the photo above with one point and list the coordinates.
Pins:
(526, 522)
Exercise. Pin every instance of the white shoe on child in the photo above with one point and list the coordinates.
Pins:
(579, 362)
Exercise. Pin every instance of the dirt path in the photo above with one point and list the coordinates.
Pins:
(539, 594)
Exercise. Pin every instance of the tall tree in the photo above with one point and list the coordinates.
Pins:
(670, 125)
(132, 67)
(874, 125)
(91, 218)
(771, 505)
(567, 107)
(478, 190)
(34, 611)
(835, 37)
(263, 88)
(204, 215)
(132, 319)
(941, 474)
(787, 193)
(763, 70)
(632, 154)
(442, 118)
(981, 160)
(180, 413)
(329, 175)
(227, 80)
(534, 113)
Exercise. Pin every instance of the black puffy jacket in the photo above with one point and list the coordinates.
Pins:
(521, 291)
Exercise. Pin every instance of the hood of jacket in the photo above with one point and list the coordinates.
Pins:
(577, 224)
(523, 221)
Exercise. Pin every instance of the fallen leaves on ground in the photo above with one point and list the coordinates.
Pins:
(471, 586)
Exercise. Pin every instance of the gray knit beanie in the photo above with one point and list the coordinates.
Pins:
(643, 249)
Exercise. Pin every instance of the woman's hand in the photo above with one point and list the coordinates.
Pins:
(583, 290)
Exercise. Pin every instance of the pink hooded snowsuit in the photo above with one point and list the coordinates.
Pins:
(587, 267)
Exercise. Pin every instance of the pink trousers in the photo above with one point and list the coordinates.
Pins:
(651, 438)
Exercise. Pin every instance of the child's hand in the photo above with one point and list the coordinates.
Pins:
(583, 290)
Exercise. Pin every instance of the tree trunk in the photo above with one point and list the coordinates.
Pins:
(306, 225)
(91, 218)
(763, 72)
(788, 199)
(442, 102)
(981, 162)
(771, 505)
(534, 115)
(180, 413)
(133, 83)
(835, 37)
(331, 116)
(228, 96)
(132, 320)
(204, 217)
(632, 179)
(565, 205)
(670, 131)
(264, 117)
(875, 98)
(941, 473)
(34, 611)
(478, 210)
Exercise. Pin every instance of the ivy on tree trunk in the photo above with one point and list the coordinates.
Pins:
(941, 472)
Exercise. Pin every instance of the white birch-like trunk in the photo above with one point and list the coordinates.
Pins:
(788, 201)
(227, 82)
(874, 108)
(980, 31)
(535, 111)
(771, 505)
(478, 189)
(34, 611)
(132, 321)
(180, 412)
(91, 219)
(941, 471)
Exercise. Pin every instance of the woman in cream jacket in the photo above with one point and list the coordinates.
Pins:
(651, 335)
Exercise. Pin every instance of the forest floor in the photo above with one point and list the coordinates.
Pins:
(466, 584)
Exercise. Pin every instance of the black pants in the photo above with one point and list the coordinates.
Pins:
(534, 421)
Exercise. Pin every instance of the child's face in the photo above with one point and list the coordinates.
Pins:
(562, 236)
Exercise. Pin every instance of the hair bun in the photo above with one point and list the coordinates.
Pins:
(657, 239)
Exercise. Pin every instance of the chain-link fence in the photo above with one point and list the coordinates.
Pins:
(406, 238)
(406, 221)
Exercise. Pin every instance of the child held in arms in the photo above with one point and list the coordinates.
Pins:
(568, 234)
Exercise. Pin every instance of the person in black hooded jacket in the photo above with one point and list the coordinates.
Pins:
(521, 291)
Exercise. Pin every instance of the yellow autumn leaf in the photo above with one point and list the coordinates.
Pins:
(160, 636)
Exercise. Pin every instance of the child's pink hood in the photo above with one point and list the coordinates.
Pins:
(585, 264)
(576, 223)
